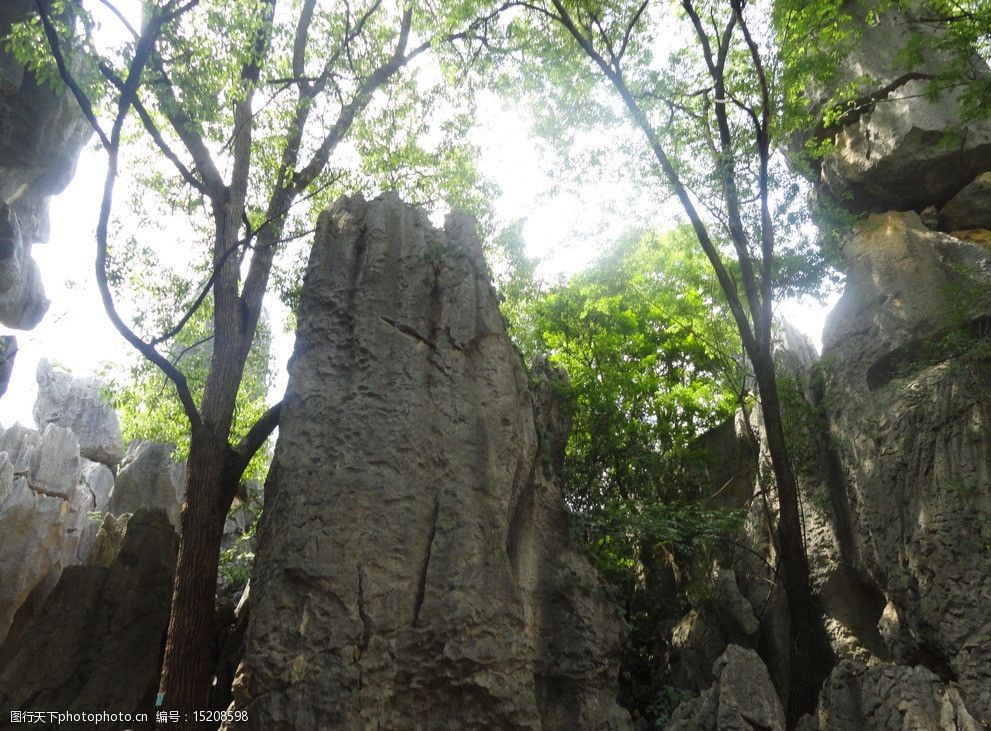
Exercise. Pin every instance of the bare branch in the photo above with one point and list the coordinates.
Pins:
(149, 125)
(615, 76)
(67, 78)
(256, 436)
(628, 33)
(299, 43)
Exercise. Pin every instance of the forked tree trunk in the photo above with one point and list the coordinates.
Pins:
(185, 681)
(805, 663)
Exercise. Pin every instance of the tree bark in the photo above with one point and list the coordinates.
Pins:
(185, 681)
(805, 666)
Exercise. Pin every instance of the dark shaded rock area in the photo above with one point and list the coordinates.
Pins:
(96, 644)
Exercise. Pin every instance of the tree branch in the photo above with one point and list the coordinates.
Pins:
(615, 76)
(256, 436)
(67, 78)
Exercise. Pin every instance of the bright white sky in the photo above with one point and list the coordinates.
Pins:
(77, 335)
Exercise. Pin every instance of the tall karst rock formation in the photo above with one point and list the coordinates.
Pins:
(414, 568)
(891, 428)
(907, 360)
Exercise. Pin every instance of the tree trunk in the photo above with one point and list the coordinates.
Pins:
(188, 658)
(805, 667)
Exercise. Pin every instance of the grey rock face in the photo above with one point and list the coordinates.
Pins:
(908, 397)
(78, 404)
(47, 492)
(413, 566)
(741, 698)
(701, 636)
(100, 633)
(889, 698)
(148, 478)
(55, 463)
(41, 133)
(8, 352)
(896, 153)
(970, 208)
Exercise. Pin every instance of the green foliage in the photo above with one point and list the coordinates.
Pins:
(236, 561)
(665, 703)
(623, 527)
(801, 425)
(962, 35)
(519, 289)
(149, 409)
(653, 361)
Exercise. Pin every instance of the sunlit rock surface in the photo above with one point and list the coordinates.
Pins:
(908, 397)
(80, 405)
(900, 148)
(149, 478)
(741, 698)
(47, 492)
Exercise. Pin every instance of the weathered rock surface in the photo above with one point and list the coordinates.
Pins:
(41, 133)
(46, 494)
(413, 566)
(742, 698)
(889, 698)
(8, 352)
(78, 404)
(894, 153)
(703, 635)
(908, 398)
(970, 208)
(148, 478)
(100, 633)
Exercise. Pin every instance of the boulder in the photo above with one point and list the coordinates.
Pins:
(741, 698)
(702, 635)
(414, 566)
(149, 478)
(100, 632)
(970, 208)
(55, 463)
(19, 443)
(908, 399)
(47, 495)
(31, 544)
(902, 148)
(78, 404)
(889, 698)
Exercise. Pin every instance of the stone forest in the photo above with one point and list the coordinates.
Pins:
(634, 496)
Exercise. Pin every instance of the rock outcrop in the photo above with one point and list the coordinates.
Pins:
(908, 398)
(742, 698)
(47, 492)
(41, 133)
(53, 498)
(78, 404)
(149, 478)
(970, 208)
(414, 567)
(901, 148)
(888, 698)
(100, 632)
